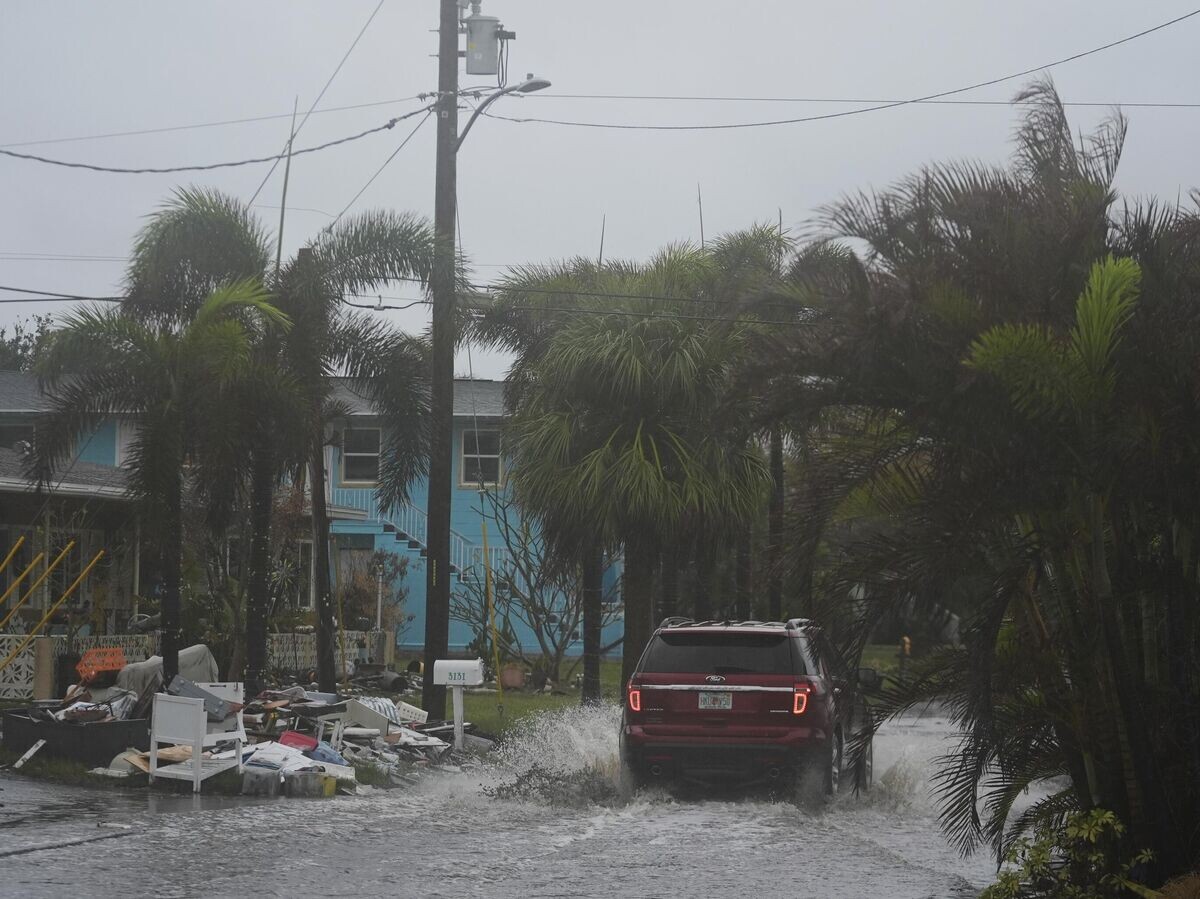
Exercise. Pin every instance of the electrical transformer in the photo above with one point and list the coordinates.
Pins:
(483, 44)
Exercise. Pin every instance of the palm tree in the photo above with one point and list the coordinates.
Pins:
(202, 239)
(999, 429)
(526, 310)
(615, 435)
(174, 377)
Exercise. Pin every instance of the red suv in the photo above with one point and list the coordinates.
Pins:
(744, 702)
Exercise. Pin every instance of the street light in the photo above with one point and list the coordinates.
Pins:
(528, 86)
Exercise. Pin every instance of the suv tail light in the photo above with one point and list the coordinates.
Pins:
(800, 694)
(635, 698)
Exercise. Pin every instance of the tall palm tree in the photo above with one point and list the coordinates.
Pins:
(615, 431)
(174, 377)
(203, 238)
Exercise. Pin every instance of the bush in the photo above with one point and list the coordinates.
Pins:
(1079, 859)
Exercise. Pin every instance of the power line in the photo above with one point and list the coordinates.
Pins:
(50, 296)
(379, 171)
(541, 95)
(216, 165)
(197, 125)
(632, 313)
(292, 136)
(853, 112)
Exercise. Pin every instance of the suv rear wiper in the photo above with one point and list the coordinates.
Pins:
(732, 669)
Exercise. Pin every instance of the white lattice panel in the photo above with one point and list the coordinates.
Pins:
(16, 681)
(137, 647)
(296, 652)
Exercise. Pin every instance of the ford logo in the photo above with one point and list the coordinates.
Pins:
(715, 679)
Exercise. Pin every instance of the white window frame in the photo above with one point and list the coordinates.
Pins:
(463, 455)
(377, 456)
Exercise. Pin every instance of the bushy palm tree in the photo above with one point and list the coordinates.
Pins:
(173, 377)
(1002, 430)
(202, 239)
(615, 433)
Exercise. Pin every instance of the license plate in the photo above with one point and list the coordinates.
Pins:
(716, 700)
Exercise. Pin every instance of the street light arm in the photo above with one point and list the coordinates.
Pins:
(528, 86)
(479, 111)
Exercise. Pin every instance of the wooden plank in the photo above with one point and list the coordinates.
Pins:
(30, 753)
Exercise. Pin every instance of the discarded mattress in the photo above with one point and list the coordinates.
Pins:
(196, 663)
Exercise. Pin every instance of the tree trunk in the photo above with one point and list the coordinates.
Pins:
(669, 601)
(592, 571)
(744, 573)
(702, 600)
(171, 554)
(262, 482)
(775, 529)
(637, 589)
(1147, 825)
(326, 626)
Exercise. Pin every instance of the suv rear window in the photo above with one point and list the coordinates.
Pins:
(721, 653)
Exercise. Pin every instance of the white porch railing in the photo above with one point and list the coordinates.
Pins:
(413, 524)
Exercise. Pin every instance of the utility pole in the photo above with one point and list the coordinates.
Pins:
(441, 396)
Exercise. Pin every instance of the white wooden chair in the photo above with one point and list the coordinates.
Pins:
(182, 721)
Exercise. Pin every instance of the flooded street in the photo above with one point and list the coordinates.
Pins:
(479, 833)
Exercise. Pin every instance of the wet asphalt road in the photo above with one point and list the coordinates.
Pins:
(447, 837)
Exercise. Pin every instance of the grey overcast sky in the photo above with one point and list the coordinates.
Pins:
(537, 192)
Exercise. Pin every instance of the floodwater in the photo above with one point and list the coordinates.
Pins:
(494, 832)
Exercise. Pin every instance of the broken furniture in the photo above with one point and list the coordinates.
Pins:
(184, 720)
(92, 743)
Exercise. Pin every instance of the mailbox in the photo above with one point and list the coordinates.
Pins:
(458, 673)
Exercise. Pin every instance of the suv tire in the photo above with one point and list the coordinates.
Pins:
(819, 775)
(628, 781)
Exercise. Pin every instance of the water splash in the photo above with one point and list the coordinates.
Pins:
(565, 757)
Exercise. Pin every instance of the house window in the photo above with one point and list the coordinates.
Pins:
(480, 458)
(360, 455)
(13, 433)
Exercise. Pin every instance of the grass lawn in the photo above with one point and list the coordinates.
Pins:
(883, 657)
(494, 713)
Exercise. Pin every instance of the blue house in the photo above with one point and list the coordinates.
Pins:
(93, 487)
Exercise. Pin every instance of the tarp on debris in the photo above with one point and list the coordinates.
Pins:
(196, 663)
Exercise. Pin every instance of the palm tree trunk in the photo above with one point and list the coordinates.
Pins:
(592, 577)
(775, 529)
(669, 600)
(638, 590)
(1144, 796)
(744, 574)
(702, 600)
(262, 477)
(171, 554)
(326, 661)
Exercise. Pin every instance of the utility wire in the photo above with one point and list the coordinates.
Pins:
(50, 295)
(739, 317)
(292, 136)
(196, 125)
(216, 165)
(693, 98)
(853, 112)
(379, 171)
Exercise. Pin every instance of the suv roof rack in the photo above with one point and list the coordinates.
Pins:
(684, 621)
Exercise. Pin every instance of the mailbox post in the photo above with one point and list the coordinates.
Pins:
(456, 674)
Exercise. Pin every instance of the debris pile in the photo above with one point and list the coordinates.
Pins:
(292, 741)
